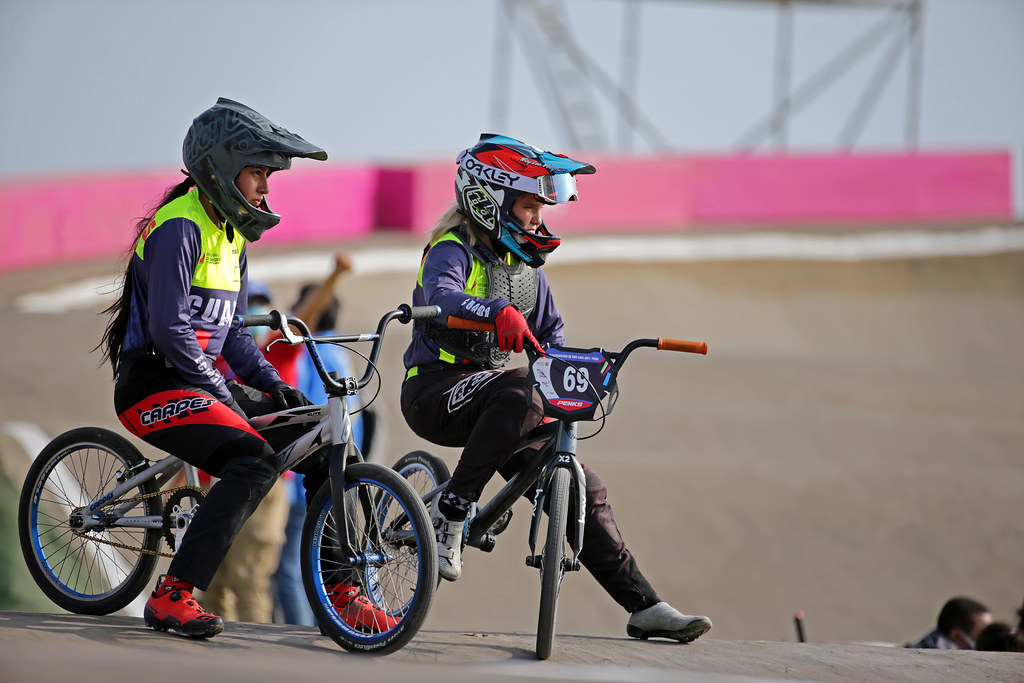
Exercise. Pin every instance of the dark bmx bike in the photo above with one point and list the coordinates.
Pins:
(576, 385)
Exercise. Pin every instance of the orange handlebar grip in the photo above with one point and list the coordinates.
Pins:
(679, 345)
(457, 323)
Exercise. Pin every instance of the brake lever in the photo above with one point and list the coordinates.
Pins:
(287, 336)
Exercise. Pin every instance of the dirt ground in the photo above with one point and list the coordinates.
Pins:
(850, 446)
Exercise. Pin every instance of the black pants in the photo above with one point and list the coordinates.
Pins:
(156, 404)
(487, 413)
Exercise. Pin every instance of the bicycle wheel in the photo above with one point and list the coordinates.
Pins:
(102, 568)
(552, 567)
(393, 561)
(423, 470)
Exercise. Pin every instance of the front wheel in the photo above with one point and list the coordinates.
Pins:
(424, 470)
(552, 567)
(374, 597)
(87, 561)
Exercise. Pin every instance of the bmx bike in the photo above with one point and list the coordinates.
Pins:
(576, 385)
(94, 512)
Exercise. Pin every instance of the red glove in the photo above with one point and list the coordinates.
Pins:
(512, 330)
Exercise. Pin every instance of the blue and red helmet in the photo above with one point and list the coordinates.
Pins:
(494, 172)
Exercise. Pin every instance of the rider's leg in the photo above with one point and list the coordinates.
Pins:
(487, 413)
(607, 558)
(244, 480)
(159, 407)
(611, 563)
(605, 554)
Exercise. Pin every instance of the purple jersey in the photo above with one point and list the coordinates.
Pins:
(444, 279)
(188, 281)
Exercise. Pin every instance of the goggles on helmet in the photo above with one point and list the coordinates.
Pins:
(498, 169)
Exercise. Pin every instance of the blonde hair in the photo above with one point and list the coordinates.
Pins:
(450, 220)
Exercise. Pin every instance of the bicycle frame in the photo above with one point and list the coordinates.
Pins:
(334, 427)
(166, 468)
(560, 451)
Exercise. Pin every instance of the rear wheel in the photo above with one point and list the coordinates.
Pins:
(80, 557)
(552, 568)
(392, 560)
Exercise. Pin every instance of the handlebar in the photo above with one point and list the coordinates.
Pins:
(661, 343)
(276, 320)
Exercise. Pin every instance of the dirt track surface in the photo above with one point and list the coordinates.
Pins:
(97, 649)
(850, 447)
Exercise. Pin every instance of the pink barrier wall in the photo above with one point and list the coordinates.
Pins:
(852, 188)
(75, 219)
(676, 193)
(69, 219)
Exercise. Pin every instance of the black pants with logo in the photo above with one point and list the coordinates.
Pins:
(487, 413)
(156, 404)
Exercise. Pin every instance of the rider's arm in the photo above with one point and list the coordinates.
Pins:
(240, 350)
(172, 253)
(545, 320)
(445, 273)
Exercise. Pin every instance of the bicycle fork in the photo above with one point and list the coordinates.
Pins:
(564, 457)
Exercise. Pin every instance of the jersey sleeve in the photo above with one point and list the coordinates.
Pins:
(240, 350)
(172, 253)
(445, 272)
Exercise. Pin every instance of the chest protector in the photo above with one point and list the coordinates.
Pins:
(497, 279)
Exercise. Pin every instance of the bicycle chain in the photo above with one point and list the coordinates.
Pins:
(123, 546)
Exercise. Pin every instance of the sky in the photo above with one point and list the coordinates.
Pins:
(112, 85)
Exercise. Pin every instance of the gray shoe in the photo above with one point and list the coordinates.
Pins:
(664, 621)
(449, 544)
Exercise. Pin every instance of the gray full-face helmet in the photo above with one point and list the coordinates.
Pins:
(226, 138)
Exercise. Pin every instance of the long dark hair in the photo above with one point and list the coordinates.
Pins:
(117, 312)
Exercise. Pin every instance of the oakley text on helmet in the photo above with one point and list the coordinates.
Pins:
(497, 170)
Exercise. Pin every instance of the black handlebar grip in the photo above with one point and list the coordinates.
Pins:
(271, 320)
(409, 313)
(425, 312)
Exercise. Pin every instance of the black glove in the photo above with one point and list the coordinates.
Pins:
(286, 396)
(233, 404)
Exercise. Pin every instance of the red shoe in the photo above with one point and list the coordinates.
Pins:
(172, 607)
(357, 611)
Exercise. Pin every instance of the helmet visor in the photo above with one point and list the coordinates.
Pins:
(558, 188)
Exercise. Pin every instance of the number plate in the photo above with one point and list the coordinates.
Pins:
(572, 382)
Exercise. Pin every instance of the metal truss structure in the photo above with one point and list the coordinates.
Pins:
(572, 80)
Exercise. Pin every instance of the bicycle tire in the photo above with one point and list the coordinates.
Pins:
(78, 574)
(552, 568)
(396, 563)
(423, 470)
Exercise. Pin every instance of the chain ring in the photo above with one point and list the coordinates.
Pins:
(173, 501)
(123, 546)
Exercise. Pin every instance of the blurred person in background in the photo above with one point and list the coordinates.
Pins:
(483, 262)
(186, 277)
(1000, 637)
(959, 623)
(318, 306)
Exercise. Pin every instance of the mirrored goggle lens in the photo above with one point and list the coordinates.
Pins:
(558, 188)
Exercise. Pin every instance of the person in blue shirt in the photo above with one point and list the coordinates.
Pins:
(483, 262)
(959, 622)
(185, 279)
